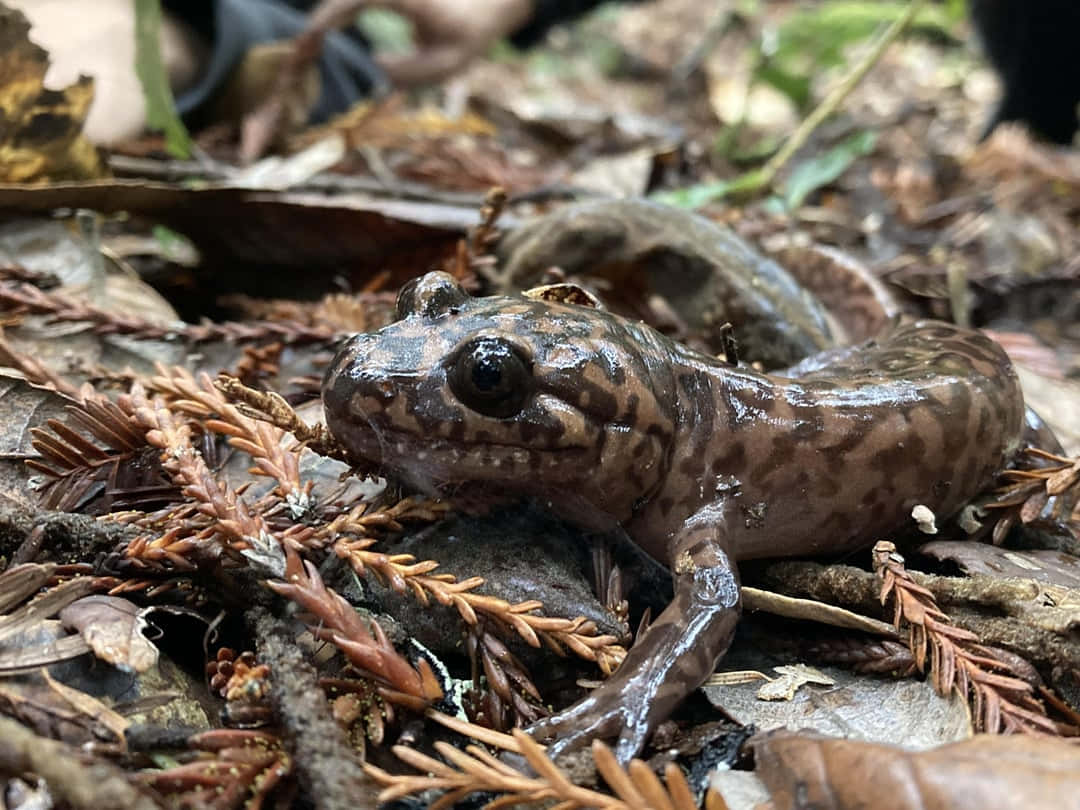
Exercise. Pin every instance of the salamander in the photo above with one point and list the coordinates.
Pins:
(703, 463)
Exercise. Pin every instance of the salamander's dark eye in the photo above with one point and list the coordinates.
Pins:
(491, 376)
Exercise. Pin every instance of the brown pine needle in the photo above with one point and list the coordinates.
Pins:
(366, 646)
(1001, 703)
(463, 772)
(495, 739)
(404, 575)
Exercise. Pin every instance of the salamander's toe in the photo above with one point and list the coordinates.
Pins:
(601, 715)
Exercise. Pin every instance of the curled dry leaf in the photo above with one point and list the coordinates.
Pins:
(791, 678)
(564, 293)
(113, 628)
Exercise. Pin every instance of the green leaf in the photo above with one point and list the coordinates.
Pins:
(173, 245)
(823, 169)
(797, 88)
(693, 196)
(818, 38)
(160, 107)
(705, 193)
(388, 31)
(955, 10)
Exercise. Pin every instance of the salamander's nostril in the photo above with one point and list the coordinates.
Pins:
(354, 397)
(380, 388)
(365, 388)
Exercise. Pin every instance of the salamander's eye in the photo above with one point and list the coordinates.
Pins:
(490, 376)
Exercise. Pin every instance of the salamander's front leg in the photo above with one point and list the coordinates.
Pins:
(674, 656)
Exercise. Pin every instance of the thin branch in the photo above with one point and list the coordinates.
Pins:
(35, 372)
(76, 783)
(1047, 486)
(237, 527)
(237, 769)
(267, 445)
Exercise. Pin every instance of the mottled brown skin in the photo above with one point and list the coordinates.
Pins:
(704, 464)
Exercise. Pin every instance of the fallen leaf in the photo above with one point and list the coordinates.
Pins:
(1052, 567)
(326, 234)
(113, 628)
(44, 605)
(986, 772)
(810, 175)
(862, 707)
(42, 135)
(88, 705)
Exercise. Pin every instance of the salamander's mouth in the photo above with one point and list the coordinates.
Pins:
(405, 450)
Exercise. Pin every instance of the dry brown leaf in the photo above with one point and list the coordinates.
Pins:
(42, 136)
(986, 772)
(1042, 565)
(113, 628)
(387, 123)
(88, 705)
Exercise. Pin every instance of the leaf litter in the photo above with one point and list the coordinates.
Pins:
(219, 495)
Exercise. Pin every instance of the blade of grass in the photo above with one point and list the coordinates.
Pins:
(160, 106)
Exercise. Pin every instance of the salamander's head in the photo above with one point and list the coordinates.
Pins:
(540, 397)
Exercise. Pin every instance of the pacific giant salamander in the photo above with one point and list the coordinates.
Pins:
(703, 463)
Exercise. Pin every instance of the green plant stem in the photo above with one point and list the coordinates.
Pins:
(149, 67)
(763, 178)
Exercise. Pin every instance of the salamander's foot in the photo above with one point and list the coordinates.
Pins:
(668, 662)
(604, 714)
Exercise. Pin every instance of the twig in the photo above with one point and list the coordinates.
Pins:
(1048, 487)
(235, 526)
(238, 769)
(22, 297)
(93, 786)
(35, 372)
(503, 702)
(261, 440)
(402, 573)
(325, 762)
